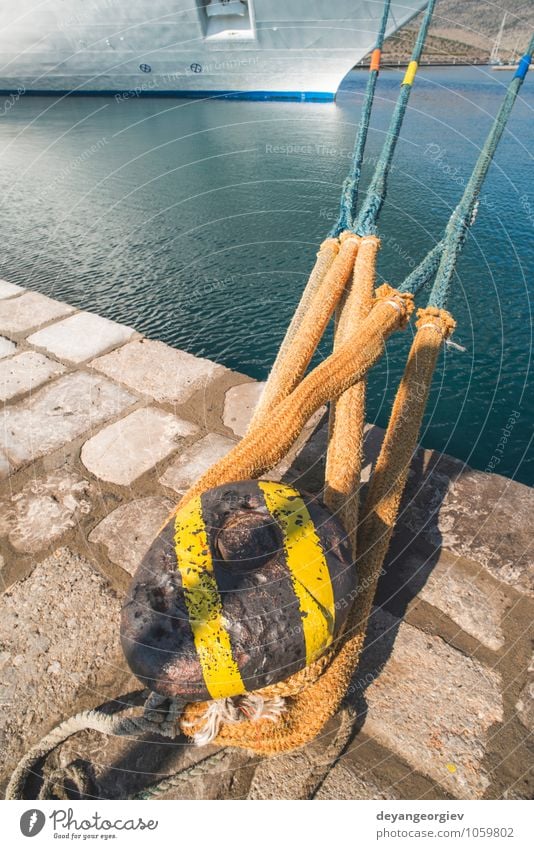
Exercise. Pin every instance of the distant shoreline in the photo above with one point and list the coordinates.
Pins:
(392, 66)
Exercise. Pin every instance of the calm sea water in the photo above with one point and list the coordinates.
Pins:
(198, 222)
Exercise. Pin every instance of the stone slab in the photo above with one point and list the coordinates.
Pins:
(7, 347)
(194, 461)
(125, 450)
(44, 509)
(428, 703)
(29, 311)
(9, 290)
(447, 505)
(159, 371)
(127, 532)
(342, 782)
(460, 589)
(81, 337)
(482, 517)
(239, 405)
(58, 413)
(282, 777)
(59, 639)
(24, 372)
(297, 774)
(372, 442)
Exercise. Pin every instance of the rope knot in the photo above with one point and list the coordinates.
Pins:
(370, 239)
(435, 317)
(330, 244)
(253, 707)
(348, 234)
(403, 302)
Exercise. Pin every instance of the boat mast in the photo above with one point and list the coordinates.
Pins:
(494, 56)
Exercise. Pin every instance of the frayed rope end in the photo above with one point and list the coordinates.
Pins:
(240, 709)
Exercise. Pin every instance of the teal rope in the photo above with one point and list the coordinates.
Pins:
(462, 217)
(349, 192)
(366, 221)
(424, 272)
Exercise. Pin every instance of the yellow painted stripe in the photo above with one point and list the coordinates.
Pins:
(307, 564)
(411, 71)
(204, 604)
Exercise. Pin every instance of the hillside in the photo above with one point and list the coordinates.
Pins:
(465, 31)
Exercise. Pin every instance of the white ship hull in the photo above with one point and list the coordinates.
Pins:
(294, 49)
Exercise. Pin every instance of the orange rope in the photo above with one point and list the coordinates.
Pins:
(301, 348)
(347, 414)
(264, 446)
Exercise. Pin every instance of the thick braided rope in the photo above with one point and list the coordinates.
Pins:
(349, 191)
(325, 257)
(347, 413)
(262, 448)
(328, 251)
(174, 782)
(387, 484)
(114, 725)
(365, 223)
(62, 782)
(90, 720)
(424, 272)
(301, 347)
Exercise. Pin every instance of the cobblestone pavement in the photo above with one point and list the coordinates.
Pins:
(102, 431)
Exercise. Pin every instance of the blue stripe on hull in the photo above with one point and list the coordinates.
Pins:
(301, 96)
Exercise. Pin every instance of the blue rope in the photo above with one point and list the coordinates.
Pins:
(462, 217)
(349, 192)
(366, 221)
(424, 272)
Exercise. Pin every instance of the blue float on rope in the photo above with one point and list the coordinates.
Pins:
(523, 66)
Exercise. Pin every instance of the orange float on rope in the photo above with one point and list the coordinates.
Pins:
(375, 60)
